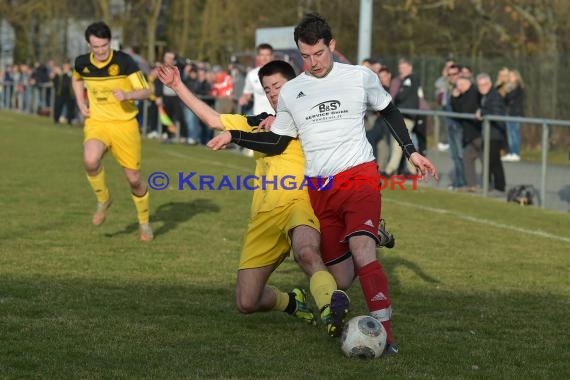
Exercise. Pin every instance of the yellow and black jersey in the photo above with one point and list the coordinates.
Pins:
(118, 72)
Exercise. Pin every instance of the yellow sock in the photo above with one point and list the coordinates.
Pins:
(281, 299)
(322, 284)
(142, 206)
(99, 186)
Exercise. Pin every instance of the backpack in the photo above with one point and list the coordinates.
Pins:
(524, 195)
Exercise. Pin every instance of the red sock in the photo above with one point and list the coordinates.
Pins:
(374, 285)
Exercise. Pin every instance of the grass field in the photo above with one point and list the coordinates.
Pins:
(480, 288)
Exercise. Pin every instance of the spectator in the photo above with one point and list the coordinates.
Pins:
(172, 105)
(441, 96)
(466, 100)
(190, 79)
(502, 80)
(454, 133)
(154, 84)
(407, 97)
(63, 92)
(514, 100)
(253, 90)
(491, 103)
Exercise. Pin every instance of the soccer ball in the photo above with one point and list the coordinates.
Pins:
(363, 337)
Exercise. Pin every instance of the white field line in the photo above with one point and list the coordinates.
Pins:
(406, 204)
(482, 221)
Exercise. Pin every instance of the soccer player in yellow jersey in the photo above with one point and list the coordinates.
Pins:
(280, 219)
(113, 82)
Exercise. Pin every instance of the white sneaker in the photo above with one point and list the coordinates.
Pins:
(515, 157)
(507, 157)
(146, 232)
(442, 147)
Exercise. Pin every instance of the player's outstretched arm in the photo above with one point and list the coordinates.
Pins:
(169, 75)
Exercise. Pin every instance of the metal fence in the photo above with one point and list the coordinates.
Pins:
(40, 99)
(545, 145)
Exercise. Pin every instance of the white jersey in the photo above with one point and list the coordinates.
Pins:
(327, 114)
(254, 86)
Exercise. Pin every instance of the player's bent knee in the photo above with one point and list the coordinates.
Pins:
(307, 255)
(246, 305)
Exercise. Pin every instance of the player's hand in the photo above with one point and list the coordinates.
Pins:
(424, 166)
(84, 110)
(220, 141)
(120, 95)
(169, 75)
(266, 124)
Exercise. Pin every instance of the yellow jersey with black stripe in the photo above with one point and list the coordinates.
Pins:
(118, 72)
(283, 173)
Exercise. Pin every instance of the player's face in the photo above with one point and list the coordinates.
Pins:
(318, 58)
(100, 47)
(272, 86)
(264, 56)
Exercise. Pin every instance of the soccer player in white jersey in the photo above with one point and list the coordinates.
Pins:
(324, 107)
(253, 86)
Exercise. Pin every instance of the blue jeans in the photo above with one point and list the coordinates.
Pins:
(514, 137)
(193, 123)
(455, 139)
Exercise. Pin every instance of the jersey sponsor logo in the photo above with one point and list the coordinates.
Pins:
(300, 94)
(329, 105)
(113, 70)
(325, 111)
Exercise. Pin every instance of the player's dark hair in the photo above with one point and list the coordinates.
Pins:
(264, 46)
(98, 29)
(277, 67)
(311, 29)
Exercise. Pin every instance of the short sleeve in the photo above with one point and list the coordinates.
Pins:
(377, 97)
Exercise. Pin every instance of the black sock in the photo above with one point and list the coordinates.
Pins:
(292, 306)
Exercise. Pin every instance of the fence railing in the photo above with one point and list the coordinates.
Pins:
(29, 99)
(545, 123)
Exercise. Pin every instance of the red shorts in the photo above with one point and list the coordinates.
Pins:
(352, 208)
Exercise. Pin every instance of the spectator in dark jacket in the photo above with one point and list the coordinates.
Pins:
(465, 99)
(64, 96)
(493, 104)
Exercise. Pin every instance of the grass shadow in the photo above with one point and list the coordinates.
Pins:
(169, 215)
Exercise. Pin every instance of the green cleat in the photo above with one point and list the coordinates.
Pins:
(302, 311)
(333, 315)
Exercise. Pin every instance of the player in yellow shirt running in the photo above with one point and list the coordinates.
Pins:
(113, 82)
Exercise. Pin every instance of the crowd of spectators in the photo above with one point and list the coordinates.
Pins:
(46, 89)
(457, 90)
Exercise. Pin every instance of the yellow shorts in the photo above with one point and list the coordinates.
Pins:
(122, 138)
(267, 240)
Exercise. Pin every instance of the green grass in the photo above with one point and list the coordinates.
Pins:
(555, 156)
(480, 287)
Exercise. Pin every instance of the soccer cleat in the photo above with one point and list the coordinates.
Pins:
(333, 315)
(391, 350)
(302, 311)
(386, 238)
(146, 232)
(101, 212)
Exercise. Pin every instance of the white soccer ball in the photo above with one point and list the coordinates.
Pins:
(363, 337)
